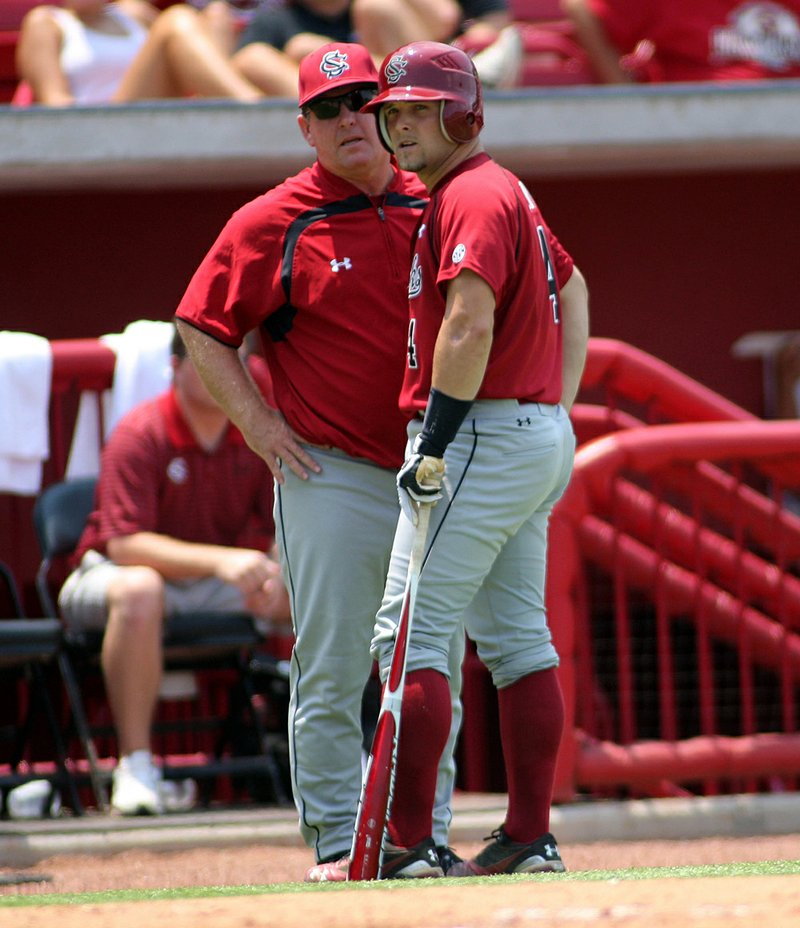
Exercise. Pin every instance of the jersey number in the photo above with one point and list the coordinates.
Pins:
(412, 348)
(551, 277)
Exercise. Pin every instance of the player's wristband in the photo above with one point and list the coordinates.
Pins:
(443, 418)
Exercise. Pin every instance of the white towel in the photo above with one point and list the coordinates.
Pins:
(141, 372)
(142, 368)
(26, 366)
(84, 450)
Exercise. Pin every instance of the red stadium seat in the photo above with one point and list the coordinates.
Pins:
(535, 10)
(553, 56)
(11, 15)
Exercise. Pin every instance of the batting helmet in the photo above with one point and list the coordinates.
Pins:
(432, 71)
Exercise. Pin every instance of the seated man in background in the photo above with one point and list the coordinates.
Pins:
(96, 52)
(182, 521)
(712, 40)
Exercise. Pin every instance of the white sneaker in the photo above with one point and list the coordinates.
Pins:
(500, 64)
(135, 785)
(177, 795)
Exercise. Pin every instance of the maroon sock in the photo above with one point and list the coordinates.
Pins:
(424, 728)
(531, 724)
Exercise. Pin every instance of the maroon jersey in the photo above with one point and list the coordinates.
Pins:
(481, 217)
(708, 40)
(154, 477)
(321, 269)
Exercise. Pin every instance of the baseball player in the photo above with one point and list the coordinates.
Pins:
(497, 340)
(318, 265)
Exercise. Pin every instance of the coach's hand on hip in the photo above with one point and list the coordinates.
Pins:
(419, 481)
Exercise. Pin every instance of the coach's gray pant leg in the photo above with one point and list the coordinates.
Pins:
(334, 532)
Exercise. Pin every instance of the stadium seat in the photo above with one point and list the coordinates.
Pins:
(29, 649)
(552, 55)
(12, 13)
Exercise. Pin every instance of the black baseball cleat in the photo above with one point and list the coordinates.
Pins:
(420, 861)
(447, 857)
(506, 856)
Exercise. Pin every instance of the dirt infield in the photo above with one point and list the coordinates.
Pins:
(670, 903)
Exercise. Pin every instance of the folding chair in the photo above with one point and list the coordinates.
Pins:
(194, 641)
(28, 649)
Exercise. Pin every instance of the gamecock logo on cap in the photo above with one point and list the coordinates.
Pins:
(334, 64)
(395, 68)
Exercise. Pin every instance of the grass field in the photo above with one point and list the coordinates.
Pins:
(757, 869)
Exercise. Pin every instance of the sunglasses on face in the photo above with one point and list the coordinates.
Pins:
(329, 107)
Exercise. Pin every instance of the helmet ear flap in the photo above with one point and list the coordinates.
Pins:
(458, 124)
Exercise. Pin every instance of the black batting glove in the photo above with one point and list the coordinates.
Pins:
(419, 482)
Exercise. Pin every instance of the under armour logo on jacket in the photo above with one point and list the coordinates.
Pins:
(525, 421)
(336, 266)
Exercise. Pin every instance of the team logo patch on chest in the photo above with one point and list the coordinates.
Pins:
(344, 265)
(415, 279)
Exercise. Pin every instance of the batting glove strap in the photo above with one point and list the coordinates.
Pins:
(419, 480)
(443, 417)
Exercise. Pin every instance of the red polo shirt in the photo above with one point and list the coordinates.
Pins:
(155, 477)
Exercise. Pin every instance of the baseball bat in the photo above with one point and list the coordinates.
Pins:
(377, 787)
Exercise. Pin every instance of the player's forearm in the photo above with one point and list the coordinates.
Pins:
(574, 298)
(459, 363)
(465, 337)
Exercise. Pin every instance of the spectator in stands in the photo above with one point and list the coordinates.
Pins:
(95, 51)
(274, 42)
(720, 40)
(484, 25)
(227, 18)
(182, 520)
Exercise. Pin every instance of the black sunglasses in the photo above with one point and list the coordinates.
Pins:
(329, 107)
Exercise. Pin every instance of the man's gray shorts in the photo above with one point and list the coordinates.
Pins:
(84, 596)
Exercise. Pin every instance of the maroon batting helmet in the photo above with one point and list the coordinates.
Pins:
(432, 71)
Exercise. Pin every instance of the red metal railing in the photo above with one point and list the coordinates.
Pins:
(673, 593)
(704, 598)
(673, 588)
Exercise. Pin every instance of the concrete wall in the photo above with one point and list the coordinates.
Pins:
(680, 203)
